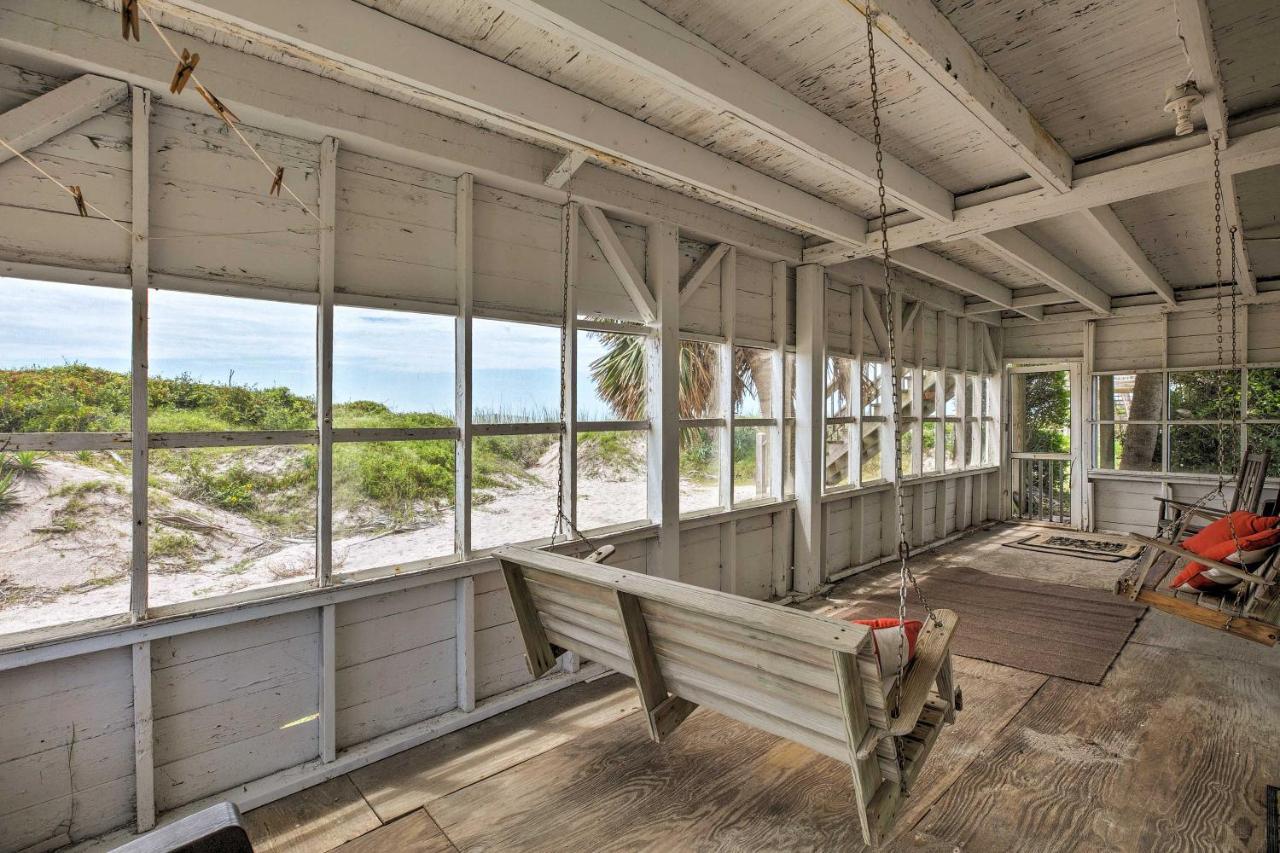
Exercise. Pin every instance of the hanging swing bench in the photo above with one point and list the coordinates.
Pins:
(815, 680)
(1251, 609)
(808, 678)
(1239, 593)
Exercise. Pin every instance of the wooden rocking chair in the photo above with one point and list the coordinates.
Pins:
(808, 678)
(1246, 496)
(1252, 612)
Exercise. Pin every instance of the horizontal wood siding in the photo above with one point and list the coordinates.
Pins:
(234, 704)
(66, 750)
(1049, 339)
(204, 181)
(396, 661)
(394, 227)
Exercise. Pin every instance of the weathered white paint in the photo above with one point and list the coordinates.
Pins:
(41, 119)
(636, 37)
(1020, 250)
(932, 42)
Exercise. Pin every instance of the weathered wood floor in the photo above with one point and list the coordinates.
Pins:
(1172, 752)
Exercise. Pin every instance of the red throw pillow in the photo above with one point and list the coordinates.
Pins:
(887, 639)
(1246, 524)
(1254, 548)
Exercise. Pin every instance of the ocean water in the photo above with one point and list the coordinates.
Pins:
(402, 360)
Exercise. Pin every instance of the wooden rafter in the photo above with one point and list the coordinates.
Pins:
(44, 117)
(961, 277)
(702, 271)
(620, 262)
(932, 43)
(415, 63)
(641, 39)
(1197, 33)
(1024, 253)
(1105, 222)
(1145, 170)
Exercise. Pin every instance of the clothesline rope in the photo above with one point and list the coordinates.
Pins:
(142, 7)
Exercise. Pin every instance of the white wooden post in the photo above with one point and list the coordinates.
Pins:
(328, 683)
(663, 491)
(143, 740)
(1089, 439)
(462, 366)
(328, 176)
(569, 376)
(324, 361)
(810, 358)
(857, 320)
(778, 390)
(139, 278)
(728, 309)
(465, 638)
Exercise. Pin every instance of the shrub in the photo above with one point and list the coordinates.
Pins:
(8, 491)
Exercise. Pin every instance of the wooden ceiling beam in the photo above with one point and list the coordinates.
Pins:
(559, 176)
(1024, 253)
(1108, 226)
(1197, 33)
(955, 275)
(44, 117)
(366, 46)
(936, 47)
(620, 262)
(1138, 176)
(638, 38)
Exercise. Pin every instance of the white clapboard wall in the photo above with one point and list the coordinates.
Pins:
(235, 700)
(1136, 340)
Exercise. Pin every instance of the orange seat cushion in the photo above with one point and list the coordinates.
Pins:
(1257, 535)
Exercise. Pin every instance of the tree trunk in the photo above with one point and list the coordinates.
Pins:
(1142, 442)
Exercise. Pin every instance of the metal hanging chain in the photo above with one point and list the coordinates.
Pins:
(1217, 311)
(905, 575)
(563, 524)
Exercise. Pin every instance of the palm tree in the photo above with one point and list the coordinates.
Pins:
(621, 375)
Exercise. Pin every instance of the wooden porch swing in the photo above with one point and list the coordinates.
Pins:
(1251, 612)
(812, 679)
(1251, 609)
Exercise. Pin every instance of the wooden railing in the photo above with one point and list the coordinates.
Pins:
(1044, 489)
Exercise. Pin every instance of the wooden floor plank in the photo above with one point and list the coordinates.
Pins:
(314, 820)
(715, 784)
(416, 832)
(1172, 753)
(411, 779)
(1162, 629)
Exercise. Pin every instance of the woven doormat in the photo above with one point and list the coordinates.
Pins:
(1078, 545)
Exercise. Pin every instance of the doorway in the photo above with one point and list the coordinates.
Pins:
(1045, 442)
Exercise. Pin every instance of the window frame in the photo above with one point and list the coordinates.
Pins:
(1244, 421)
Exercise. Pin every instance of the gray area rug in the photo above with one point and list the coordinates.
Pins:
(1058, 630)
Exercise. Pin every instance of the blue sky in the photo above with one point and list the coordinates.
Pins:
(400, 359)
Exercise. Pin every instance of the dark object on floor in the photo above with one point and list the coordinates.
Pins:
(1025, 545)
(1084, 545)
(1058, 630)
(1273, 819)
(217, 829)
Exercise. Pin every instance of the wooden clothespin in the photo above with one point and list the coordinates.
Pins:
(186, 67)
(278, 182)
(79, 197)
(217, 106)
(129, 25)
